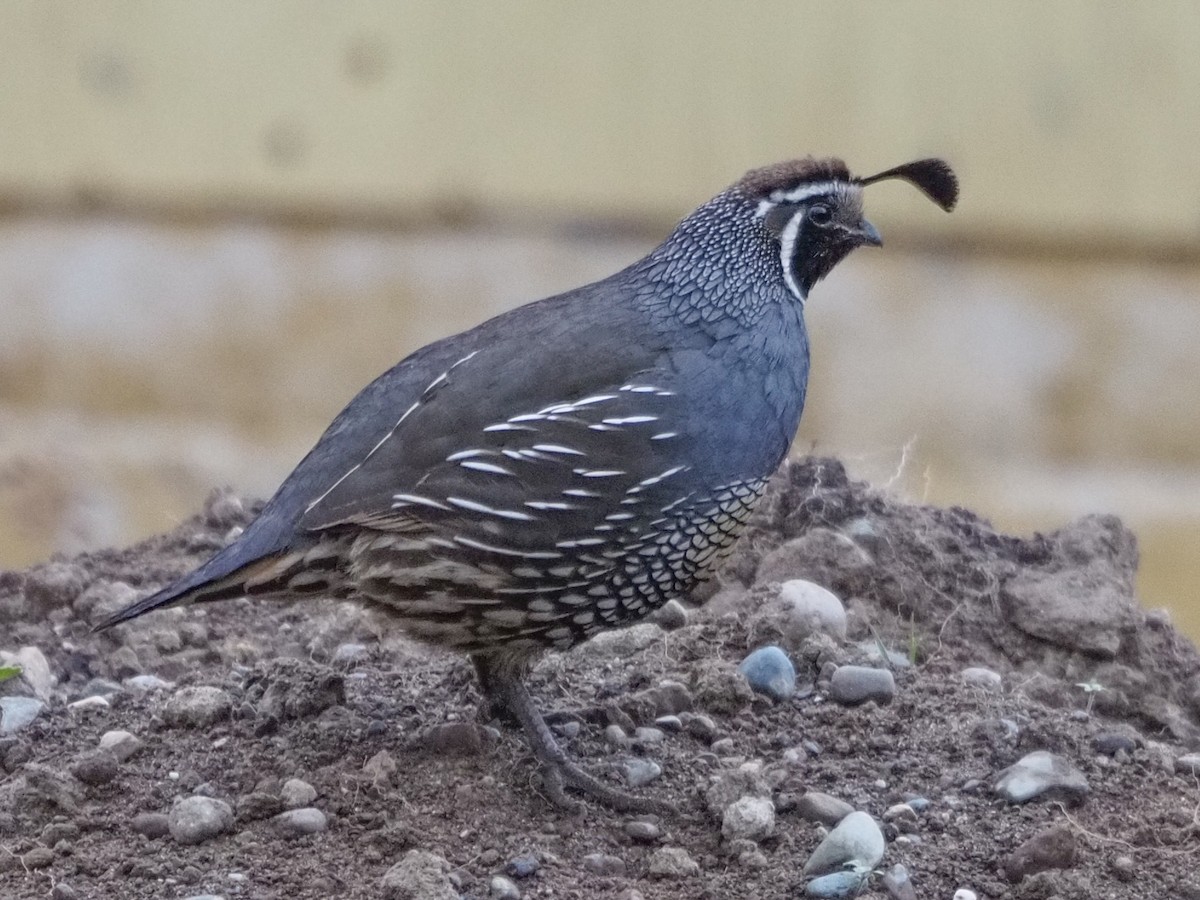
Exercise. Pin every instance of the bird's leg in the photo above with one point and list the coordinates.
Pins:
(504, 687)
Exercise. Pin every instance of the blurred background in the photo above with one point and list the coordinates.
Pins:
(218, 220)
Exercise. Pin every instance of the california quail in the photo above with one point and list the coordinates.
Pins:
(571, 465)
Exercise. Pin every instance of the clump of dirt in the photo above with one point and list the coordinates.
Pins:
(328, 756)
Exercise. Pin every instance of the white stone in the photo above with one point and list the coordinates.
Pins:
(810, 608)
(17, 713)
(193, 820)
(121, 744)
(855, 843)
(748, 818)
(35, 670)
(1035, 774)
(981, 677)
(94, 702)
(296, 793)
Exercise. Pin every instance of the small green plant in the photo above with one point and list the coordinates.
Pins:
(1091, 688)
(7, 672)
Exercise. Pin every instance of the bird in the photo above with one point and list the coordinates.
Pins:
(570, 465)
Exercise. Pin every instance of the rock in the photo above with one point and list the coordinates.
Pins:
(96, 768)
(89, 704)
(748, 818)
(769, 671)
(982, 678)
(855, 843)
(1110, 743)
(836, 886)
(104, 599)
(621, 643)
(898, 885)
(701, 727)
(197, 707)
(350, 655)
(821, 556)
(648, 736)
(604, 865)
(299, 822)
(672, 862)
(35, 671)
(825, 809)
(965, 894)
(1087, 605)
(18, 713)
(148, 683)
(721, 688)
(53, 586)
(152, 825)
(900, 812)
(296, 793)
(420, 875)
(671, 616)
(851, 685)
(809, 608)
(38, 858)
(1050, 848)
(501, 888)
(193, 820)
(671, 724)
(286, 689)
(63, 891)
(640, 772)
(1188, 764)
(614, 734)
(522, 866)
(642, 831)
(100, 687)
(121, 744)
(733, 784)
(258, 804)
(1041, 773)
(380, 768)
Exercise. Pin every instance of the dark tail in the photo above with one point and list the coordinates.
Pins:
(229, 575)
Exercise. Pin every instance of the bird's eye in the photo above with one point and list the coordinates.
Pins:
(820, 214)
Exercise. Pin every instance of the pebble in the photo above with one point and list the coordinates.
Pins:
(38, 858)
(455, 739)
(701, 727)
(856, 842)
(987, 679)
(1110, 743)
(640, 772)
(502, 888)
(646, 735)
(748, 818)
(615, 735)
(152, 825)
(522, 866)
(672, 862)
(198, 707)
(420, 875)
(901, 812)
(835, 886)
(84, 704)
(193, 820)
(815, 806)
(1039, 773)
(148, 683)
(101, 687)
(350, 655)
(1188, 764)
(96, 768)
(35, 671)
(769, 671)
(810, 608)
(641, 831)
(851, 685)
(63, 891)
(729, 786)
(17, 713)
(965, 894)
(604, 865)
(898, 885)
(669, 723)
(121, 744)
(296, 793)
(1050, 848)
(380, 768)
(671, 616)
(299, 822)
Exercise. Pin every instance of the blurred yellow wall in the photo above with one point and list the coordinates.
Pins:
(1071, 122)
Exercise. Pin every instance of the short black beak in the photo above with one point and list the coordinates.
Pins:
(869, 234)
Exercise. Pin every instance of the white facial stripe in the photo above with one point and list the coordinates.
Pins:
(805, 191)
(787, 247)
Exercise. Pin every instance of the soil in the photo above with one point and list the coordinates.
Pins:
(390, 734)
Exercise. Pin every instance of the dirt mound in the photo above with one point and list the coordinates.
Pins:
(312, 751)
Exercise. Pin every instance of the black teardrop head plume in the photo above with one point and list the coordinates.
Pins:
(935, 179)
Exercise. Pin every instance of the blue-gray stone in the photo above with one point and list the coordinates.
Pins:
(522, 866)
(835, 886)
(17, 713)
(770, 672)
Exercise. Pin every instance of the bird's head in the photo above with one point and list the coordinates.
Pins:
(813, 208)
